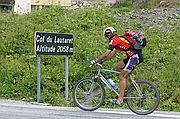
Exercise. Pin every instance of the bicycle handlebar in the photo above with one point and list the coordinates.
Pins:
(97, 64)
(100, 65)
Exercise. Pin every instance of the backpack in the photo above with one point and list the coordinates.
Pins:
(136, 40)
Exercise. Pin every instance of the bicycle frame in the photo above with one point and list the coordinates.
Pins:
(104, 80)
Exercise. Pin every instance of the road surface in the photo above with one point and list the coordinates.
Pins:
(21, 110)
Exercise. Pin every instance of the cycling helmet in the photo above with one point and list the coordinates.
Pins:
(109, 30)
(109, 33)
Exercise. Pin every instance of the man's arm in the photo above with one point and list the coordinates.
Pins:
(106, 55)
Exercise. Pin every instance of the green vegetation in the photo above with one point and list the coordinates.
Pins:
(18, 62)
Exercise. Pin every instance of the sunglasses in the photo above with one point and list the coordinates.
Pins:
(106, 34)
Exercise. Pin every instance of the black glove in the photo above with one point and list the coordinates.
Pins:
(93, 62)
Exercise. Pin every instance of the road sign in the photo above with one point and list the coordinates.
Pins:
(53, 43)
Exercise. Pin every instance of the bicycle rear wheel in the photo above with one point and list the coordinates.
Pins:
(88, 94)
(148, 102)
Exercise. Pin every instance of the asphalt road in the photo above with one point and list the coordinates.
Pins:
(21, 110)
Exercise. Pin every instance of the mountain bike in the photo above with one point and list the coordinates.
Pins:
(142, 97)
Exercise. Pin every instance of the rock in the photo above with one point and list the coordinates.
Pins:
(111, 2)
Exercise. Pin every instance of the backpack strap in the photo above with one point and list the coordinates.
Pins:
(130, 40)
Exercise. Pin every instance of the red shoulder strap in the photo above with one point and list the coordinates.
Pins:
(129, 39)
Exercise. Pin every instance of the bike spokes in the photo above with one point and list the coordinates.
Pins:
(148, 101)
(88, 94)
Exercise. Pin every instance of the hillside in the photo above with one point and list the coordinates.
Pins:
(18, 62)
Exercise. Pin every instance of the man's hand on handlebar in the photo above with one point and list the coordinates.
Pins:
(94, 63)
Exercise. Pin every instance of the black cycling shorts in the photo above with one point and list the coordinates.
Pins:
(132, 62)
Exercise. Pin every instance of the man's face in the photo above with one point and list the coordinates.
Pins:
(108, 34)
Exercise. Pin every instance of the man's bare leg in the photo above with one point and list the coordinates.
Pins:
(119, 66)
(122, 84)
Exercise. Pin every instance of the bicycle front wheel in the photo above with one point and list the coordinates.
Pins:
(147, 102)
(88, 94)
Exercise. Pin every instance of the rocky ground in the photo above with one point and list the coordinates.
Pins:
(163, 19)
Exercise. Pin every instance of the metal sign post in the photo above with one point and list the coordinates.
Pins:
(66, 77)
(38, 78)
(52, 44)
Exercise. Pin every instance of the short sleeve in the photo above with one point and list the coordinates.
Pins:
(111, 47)
(113, 42)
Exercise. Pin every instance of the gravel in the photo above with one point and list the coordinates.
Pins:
(164, 19)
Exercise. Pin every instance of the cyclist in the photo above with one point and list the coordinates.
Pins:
(127, 65)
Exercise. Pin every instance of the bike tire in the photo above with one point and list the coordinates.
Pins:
(151, 95)
(85, 100)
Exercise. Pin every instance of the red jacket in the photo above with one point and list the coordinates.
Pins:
(122, 44)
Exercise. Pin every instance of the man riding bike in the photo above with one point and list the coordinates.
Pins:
(126, 66)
